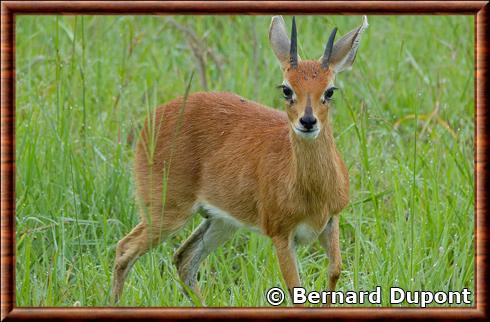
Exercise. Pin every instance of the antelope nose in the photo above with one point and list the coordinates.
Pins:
(308, 121)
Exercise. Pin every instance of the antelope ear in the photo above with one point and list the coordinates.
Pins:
(279, 40)
(344, 51)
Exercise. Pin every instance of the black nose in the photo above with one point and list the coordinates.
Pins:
(308, 121)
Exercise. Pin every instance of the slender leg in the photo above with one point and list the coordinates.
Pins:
(135, 244)
(287, 262)
(211, 233)
(329, 239)
(140, 240)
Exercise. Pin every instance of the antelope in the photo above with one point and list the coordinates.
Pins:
(241, 164)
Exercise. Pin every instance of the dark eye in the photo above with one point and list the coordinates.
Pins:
(329, 93)
(288, 93)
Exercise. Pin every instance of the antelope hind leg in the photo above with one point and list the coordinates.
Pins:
(211, 233)
(140, 240)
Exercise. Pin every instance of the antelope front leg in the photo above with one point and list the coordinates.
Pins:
(329, 239)
(287, 262)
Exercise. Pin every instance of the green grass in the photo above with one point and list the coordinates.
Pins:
(403, 118)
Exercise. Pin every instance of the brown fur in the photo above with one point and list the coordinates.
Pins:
(245, 159)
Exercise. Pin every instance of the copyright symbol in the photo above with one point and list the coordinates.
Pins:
(275, 296)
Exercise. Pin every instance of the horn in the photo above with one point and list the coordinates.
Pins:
(328, 49)
(293, 52)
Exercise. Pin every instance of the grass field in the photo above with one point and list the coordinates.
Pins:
(403, 120)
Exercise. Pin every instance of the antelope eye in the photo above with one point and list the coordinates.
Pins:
(329, 93)
(288, 93)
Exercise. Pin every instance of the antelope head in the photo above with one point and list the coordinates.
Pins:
(308, 85)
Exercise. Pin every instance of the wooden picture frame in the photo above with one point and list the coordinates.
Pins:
(10, 9)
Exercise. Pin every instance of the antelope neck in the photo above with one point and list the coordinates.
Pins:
(312, 160)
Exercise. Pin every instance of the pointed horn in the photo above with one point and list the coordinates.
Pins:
(293, 52)
(328, 49)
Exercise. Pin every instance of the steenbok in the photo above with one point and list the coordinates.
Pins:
(239, 163)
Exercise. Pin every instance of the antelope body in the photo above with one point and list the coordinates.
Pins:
(243, 164)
